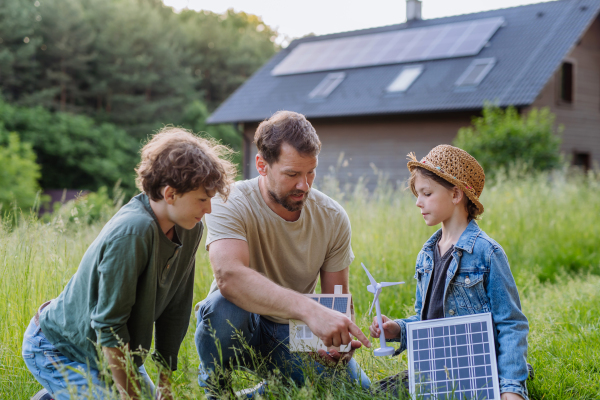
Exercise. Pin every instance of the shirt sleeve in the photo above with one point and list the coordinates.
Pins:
(340, 254)
(225, 221)
(122, 261)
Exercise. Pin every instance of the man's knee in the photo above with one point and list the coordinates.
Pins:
(219, 315)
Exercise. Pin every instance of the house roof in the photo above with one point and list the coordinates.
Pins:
(527, 49)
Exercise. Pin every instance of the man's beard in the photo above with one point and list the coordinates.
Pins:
(287, 203)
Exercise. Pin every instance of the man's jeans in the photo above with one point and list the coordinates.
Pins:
(218, 319)
(60, 375)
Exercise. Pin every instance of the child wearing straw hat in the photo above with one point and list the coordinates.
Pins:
(461, 270)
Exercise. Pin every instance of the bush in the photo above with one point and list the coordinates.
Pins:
(19, 173)
(501, 138)
(87, 209)
(74, 151)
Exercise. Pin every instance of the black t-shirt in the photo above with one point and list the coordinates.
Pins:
(433, 307)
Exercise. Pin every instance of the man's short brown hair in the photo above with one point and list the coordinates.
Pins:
(471, 208)
(178, 158)
(286, 127)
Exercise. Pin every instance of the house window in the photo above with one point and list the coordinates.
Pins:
(327, 85)
(405, 79)
(566, 83)
(476, 72)
(582, 160)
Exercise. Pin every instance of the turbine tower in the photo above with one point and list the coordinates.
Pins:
(376, 288)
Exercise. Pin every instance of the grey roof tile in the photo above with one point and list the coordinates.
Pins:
(528, 50)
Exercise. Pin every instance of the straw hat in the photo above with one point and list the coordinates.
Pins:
(457, 167)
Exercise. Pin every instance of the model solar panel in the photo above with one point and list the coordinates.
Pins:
(395, 47)
(301, 337)
(453, 358)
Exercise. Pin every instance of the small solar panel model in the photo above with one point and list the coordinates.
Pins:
(376, 288)
(301, 337)
(453, 358)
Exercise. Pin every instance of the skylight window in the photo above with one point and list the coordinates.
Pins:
(476, 72)
(327, 85)
(405, 79)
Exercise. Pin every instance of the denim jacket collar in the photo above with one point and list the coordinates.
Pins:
(466, 241)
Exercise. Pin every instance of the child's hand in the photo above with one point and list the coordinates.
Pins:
(509, 396)
(390, 328)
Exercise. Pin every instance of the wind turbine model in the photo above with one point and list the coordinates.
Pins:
(375, 288)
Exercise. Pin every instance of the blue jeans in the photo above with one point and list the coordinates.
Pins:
(60, 376)
(217, 318)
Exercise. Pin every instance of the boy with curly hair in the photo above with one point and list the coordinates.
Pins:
(135, 278)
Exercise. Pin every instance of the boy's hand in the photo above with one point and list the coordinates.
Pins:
(390, 328)
(509, 396)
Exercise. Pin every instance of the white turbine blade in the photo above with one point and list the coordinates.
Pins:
(371, 289)
(374, 301)
(385, 284)
(373, 281)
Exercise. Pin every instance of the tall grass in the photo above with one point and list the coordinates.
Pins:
(549, 226)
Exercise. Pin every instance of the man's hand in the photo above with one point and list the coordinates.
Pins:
(334, 357)
(390, 328)
(333, 327)
(511, 396)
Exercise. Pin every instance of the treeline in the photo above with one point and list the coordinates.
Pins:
(86, 80)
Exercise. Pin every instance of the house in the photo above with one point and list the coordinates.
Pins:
(375, 95)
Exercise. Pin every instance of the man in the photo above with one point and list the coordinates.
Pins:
(269, 243)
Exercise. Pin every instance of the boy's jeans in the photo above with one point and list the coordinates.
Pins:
(268, 339)
(55, 371)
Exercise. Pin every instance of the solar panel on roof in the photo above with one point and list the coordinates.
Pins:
(406, 45)
(453, 358)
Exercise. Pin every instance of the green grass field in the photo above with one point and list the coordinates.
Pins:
(549, 227)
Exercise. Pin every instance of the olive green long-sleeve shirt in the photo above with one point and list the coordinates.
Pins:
(131, 279)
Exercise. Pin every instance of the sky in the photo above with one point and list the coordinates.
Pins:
(297, 18)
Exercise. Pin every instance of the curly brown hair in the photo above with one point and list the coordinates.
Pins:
(472, 209)
(178, 158)
(286, 127)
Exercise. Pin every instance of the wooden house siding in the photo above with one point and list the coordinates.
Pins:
(581, 118)
(356, 147)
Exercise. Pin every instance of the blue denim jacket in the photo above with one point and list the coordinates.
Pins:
(479, 280)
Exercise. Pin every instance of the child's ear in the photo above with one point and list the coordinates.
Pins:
(457, 195)
(169, 194)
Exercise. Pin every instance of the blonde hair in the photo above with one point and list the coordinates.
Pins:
(178, 158)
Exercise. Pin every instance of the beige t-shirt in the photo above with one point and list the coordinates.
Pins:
(291, 254)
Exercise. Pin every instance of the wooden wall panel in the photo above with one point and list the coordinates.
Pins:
(581, 119)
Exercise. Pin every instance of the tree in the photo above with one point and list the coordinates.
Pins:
(500, 138)
(73, 150)
(19, 173)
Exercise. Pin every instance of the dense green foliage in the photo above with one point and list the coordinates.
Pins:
(546, 237)
(73, 150)
(87, 81)
(19, 173)
(500, 138)
(134, 63)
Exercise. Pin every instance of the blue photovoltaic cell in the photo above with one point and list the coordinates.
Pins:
(340, 304)
(394, 47)
(315, 299)
(327, 302)
(452, 361)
